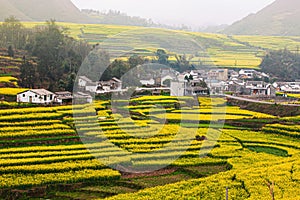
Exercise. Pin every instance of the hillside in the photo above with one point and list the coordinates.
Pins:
(10, 68)
(42, 10)
(207, 49)
(7, 9)
(279, 18)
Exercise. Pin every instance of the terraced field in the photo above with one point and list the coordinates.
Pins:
(203, 49)
(38, 149)
(9, 69)
(42, 154)
(271, 42)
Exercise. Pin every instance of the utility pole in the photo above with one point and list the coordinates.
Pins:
(226, 193)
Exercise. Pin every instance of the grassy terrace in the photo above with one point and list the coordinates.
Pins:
(40, 149)
(207, 49)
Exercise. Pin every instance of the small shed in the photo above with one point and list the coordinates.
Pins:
(64, 97)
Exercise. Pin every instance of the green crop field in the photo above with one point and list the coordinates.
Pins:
(82, 151)
(42, 154)
(214, 50)
(271, 42)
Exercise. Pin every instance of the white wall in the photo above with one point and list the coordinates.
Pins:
(177, 89)
(82, 83)
(91, 88)
(31, 97)
(147, 82)
(166, 78)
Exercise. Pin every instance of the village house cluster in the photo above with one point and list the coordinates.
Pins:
(197, 82)
(192, 83)
(43, 96)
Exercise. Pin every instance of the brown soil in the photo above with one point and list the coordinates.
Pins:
(276, 109)
(160, 172)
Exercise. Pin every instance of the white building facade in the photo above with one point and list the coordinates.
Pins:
(36, 96)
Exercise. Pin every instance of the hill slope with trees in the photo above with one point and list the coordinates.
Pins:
(48, 59)
(282, 64)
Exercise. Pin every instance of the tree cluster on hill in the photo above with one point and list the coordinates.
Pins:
(181, 64)
(13, 33)
(58, 56)
(98, 66)
(117, 17)
(120, 18)
(282, 64)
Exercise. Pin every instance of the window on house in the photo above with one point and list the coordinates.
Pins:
(45, 98)
(51, 96)
(24, 95)
(35, 96)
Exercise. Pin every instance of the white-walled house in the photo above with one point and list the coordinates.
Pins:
(182, 87)
(260, 88)
(81, 97)
(38, 96)
(83, 81)
(165, 78)
(147, 82)
(113, 85)
(63, 97)
(91, 87)
(288, 87)
(178, 88)
(249, 73)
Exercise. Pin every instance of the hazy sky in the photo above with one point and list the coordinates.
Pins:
(175, 12)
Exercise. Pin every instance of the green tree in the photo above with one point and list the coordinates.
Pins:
(10, 51)
(58, 56)
(282, 64)
(119, 68)
(202, 84)
(162, 57)
(135, 60)
(12, 32)
(182, 63)
(48, 48)
(96, 65)
(188, 78)
(28, 76)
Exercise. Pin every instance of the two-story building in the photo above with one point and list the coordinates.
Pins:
(184, 87)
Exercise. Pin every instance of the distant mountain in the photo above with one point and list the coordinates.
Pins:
(279, 18)
(42, 10)
(7, 9)
(214, 29)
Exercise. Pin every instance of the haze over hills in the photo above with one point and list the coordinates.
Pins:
(42, 10)
(7, 9)
(279, 18)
